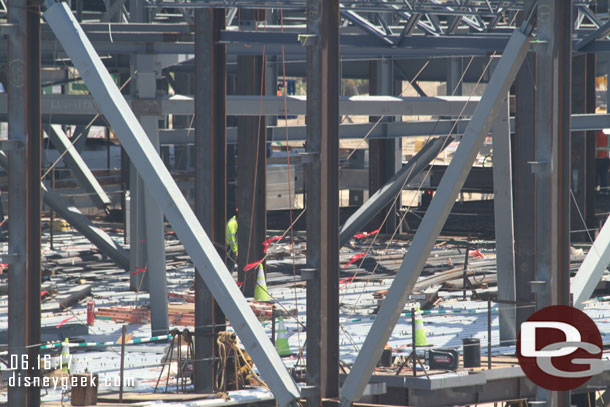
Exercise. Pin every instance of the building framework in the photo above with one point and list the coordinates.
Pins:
(219, 63)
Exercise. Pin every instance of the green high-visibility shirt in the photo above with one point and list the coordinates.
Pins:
(231, 238)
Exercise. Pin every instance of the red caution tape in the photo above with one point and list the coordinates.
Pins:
(140, 270)
(268, 242)
(354, 259)
(365, 234)
(346, 281)
(64, 321)
(252, 265)
(476, 253)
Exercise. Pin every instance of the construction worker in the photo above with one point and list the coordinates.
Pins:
(602, 158)
(231, 239)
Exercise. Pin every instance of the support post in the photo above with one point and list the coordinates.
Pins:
(503, 216)
(385, 155)
(210, 174)
(24, 204)
(322, 187)
(582, 154)
(552, 167)
(138, 259)
(138, 244)
(435, 216)
(251, 164)
(155, 276)
(196, 242)
(523, 147)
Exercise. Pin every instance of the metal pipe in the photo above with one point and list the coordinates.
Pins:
(122, 372)
(489, 334)
(388, 192)
(413, 344)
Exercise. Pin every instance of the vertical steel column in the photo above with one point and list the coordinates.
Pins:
(23, 88)
(34, 206)
(582, 165)
(503, 217)
(137, 230)
(385, 155)
(322, 186)
(155, 275)
(210, 175)
(251, 164)
(523, 146)
(455, 68)
(551, 167)
(523, 187)
(271, 67)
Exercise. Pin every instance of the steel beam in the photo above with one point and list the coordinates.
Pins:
(210, 186)
(177, 210)
(24, 142)
(83, 113)
(253, 105)
(387, 193)
(154, 237)
(385, 155)
(322, 187)
(552, 165)
(251, 165)
(155, 246)
(503, 216)
(435, 217)
(137, 232)
(523, 147)
(33, 147)
(367, 26)
(76, 163)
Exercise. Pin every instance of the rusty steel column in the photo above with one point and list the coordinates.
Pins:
(23, 150)
(251, 163)
(322, 188)
(210, 175)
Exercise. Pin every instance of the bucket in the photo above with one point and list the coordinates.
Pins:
(472, 352)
